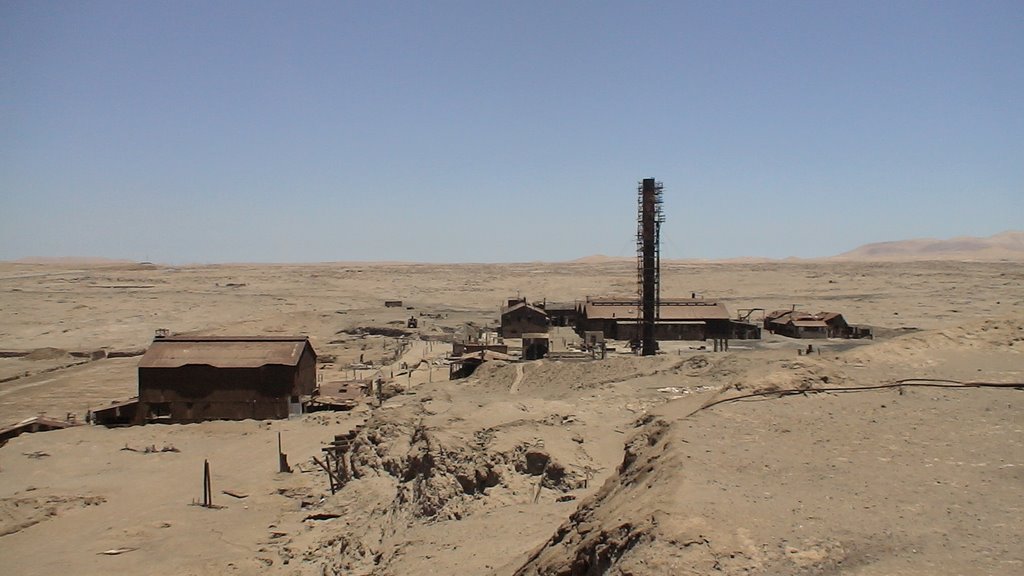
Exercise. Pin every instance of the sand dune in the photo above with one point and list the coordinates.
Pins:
(1005, 246)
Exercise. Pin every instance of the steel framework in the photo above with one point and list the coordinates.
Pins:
(648, 260)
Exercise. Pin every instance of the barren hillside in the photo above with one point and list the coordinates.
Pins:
(756, 461)
(1007, 246)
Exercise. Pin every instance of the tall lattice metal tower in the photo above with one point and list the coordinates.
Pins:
(648, 261)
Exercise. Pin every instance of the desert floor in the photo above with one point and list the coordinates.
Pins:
(619, 466)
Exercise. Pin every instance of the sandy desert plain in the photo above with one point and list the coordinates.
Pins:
(617, 466)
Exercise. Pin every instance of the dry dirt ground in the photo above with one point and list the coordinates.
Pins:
(753, 461)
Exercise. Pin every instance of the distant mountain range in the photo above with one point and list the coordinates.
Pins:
(72, 260)
(1007, 246)
(1004, 246)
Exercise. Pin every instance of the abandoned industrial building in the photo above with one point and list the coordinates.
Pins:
(190, 379)
(797, 324)
(519, 318)
(535, 346)
(677, 319)
(559, 313)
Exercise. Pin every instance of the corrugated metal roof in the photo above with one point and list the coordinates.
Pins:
(482, 355)
(522, 305)
(810, 323)
(776, 314)
(670, 309)
(224, 352)
(798, 318)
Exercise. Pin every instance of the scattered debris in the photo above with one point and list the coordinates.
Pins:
(151, 449)
(116, 551)
(322, 516)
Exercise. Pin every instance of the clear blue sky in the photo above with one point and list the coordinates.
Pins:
(503, 131)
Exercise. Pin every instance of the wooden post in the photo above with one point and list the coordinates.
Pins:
(282, 458)
(330, 475)
(207, 487)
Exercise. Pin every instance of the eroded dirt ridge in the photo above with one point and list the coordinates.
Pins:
(405, 471)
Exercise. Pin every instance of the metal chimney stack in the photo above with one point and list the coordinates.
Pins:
(648, 241)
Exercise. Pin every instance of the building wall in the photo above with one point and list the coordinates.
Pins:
(563, 316)
(535, 348)
(712, 328)
(460, 348)
(811, 332)
(791, 331)
(522, 321)
(305, 375)
(664, 331)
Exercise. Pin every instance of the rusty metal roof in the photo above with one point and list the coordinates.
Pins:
(560, 306)
(225, 351)
(670, 309)
(524, 305)
(810, 323)
(798, 318)
(481, 356)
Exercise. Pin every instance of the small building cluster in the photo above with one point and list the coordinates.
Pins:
(618, 319)
(797, 324)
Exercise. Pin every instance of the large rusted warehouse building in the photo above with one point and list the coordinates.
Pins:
(189, 379)
(678, 319)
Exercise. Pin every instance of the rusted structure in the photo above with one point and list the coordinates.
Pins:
(190, 379)
(339, 395)
(648, 242)
(678, 319)
(121, 413)
(33, 424)
(463, 366)
(535, 346)
(522, 318)
(797, 324)
(461, 348)
(559, 313)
